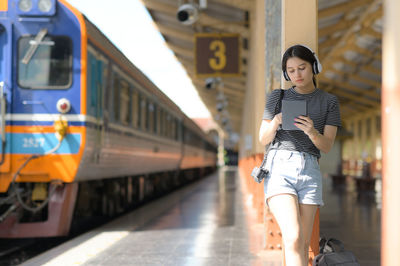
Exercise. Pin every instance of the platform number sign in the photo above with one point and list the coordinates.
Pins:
(217, 55)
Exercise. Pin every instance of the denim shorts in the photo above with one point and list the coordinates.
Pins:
(293, 172)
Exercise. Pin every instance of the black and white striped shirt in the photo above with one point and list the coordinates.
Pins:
(322, 108)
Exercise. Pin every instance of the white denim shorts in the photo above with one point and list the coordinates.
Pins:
(293, 172)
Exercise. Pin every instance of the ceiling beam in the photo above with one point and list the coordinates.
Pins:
(204, 19)
(327, 43)
(365, 67)
(372, 70)
(168, 31)
(371, 32)
(356, 77)
(355, 97)
(341, 25)
(342, 8)
(181, 50)
(361, 22)
(350, 87)
(241, 4)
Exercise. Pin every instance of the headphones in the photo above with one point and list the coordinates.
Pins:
(316, 65)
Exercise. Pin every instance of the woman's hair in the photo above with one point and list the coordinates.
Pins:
(301, 52)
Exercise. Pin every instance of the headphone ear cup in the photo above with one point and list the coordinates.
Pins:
(315, 68)
(285, 75)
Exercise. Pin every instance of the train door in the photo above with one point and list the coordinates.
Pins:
(5, 92)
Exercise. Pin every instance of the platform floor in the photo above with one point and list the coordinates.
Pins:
(209, 223)
(205, 223)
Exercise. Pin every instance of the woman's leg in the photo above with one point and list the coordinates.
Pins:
(307, 214)
(285, 209)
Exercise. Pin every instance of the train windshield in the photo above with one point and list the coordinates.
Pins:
(46, 64)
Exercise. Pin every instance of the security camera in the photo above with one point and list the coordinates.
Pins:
(220, 107)
(187, 14)
(210, 83)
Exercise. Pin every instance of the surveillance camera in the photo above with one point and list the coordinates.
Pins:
(220, 107)
(210, 83)
(187, 14)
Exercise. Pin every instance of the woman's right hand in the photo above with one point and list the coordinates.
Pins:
(268, 129)
(278, 119)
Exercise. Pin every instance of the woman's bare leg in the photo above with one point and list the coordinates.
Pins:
(307, 214)
(285, 209)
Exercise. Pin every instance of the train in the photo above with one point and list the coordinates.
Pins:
(84, 133)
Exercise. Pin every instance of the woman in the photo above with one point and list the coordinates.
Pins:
(293, 187)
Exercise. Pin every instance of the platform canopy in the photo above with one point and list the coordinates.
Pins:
(350, 49)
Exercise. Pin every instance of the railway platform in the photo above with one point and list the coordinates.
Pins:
(211, 222)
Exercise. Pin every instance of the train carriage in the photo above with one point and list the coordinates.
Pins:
(81, 124)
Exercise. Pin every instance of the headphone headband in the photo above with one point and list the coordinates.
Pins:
(316, 66)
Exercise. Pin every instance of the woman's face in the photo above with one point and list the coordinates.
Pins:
(300, 72)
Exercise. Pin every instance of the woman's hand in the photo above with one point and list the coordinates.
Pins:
(307, 125)
(268, 129)
(278, 119)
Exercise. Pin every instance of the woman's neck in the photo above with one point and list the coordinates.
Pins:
(305, 90)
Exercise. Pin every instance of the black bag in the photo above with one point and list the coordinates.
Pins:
(259, 173)
(331, 256)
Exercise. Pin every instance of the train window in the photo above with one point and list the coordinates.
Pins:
(173, 128)
(158, 118)
(162, 122)
(116, 97)
(125, 104)
(135, 109)
(96, 72)
(177, 127)
(155, 124)
(143, 113)
(150, 117)
(168, 123)
(46, 65)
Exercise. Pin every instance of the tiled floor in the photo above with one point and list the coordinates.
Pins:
(205, 223)
(354, 218)
(208, 223)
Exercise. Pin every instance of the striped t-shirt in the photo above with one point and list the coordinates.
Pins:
(322, 108)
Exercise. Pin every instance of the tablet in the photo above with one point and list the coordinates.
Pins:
(291, 110)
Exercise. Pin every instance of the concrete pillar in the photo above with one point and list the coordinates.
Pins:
(299, 26)
(390, 135)
(254, 98)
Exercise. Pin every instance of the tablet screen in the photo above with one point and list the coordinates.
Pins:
(291, 110)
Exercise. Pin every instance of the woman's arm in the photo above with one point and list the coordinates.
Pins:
(323, 142)
(268, 129)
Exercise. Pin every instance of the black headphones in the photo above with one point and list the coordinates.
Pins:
(316, 65)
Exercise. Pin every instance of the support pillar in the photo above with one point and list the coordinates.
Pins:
(390, 135)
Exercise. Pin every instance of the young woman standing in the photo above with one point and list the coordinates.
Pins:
(293, 187)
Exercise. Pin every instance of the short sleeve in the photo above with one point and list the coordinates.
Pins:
(270, 106)
(333, 116)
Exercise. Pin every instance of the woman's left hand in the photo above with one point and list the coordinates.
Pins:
(306, 124)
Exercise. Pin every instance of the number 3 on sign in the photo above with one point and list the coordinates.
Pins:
(219, 49)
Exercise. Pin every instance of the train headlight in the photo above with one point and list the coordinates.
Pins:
(36, 8)
(45, 5)
(25, 5)
(63, 106)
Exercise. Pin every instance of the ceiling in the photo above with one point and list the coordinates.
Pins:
(350, 50)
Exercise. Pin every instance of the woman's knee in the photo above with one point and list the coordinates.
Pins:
(294, 241)
(306, 246)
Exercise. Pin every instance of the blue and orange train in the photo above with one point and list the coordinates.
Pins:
(83, 131)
